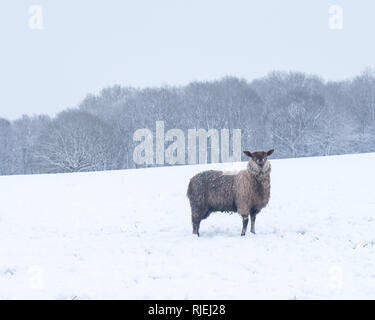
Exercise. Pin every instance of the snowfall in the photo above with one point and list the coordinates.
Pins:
(128, 235)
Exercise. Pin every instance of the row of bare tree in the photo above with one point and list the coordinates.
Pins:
(295, 113)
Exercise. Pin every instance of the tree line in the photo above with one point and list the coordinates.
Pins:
(297, 114)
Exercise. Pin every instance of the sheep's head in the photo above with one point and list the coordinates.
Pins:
(258, 160)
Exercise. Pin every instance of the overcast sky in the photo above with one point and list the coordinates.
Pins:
(86, 45)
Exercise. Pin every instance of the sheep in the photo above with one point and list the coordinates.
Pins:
(246, 192)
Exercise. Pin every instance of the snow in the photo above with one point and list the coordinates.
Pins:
(127, 235)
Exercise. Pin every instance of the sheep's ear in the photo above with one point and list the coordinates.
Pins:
(270, 152)
(248, 153)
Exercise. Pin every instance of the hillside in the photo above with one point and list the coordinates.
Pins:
(127, 235)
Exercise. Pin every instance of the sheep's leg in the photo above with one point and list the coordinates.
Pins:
(245, 221)
(253, 213)
(196, 228)
(253, 217)
(196, 222)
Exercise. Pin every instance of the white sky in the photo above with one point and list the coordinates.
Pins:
(86, 45)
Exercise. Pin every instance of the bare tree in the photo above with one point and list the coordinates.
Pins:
(76, 141)
(6, 147)
(294, 124)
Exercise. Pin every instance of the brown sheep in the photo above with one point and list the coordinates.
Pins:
(246, 192)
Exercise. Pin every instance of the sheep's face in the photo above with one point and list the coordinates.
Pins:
(258, 159)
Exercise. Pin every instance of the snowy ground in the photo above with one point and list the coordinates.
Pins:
(127, 235)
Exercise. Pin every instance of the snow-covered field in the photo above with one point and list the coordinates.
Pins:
(127, 235)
